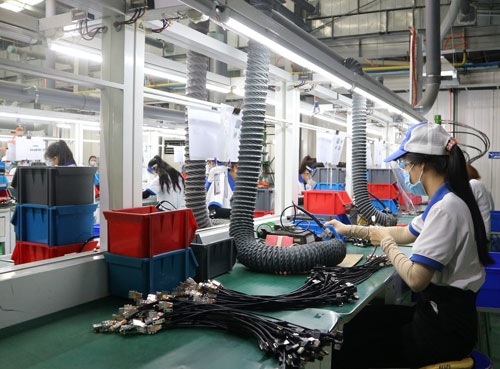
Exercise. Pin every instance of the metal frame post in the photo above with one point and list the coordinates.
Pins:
(121, 119)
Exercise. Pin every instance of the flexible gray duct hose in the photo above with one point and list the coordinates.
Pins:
(194, 188)
(252, 253)
(359, 183)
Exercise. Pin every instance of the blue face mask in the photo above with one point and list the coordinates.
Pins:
(417, 188)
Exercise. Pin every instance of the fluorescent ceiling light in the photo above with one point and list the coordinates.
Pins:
(13, 6)
(247, 32)
(410, 118)
(377, 100)
(63, 125)
(182, 79)
(73, 50)
(32, 2)
(46, 118)
(445, 73)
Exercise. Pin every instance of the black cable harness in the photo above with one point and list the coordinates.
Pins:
(289, 343)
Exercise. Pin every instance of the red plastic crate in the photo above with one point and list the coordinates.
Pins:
(26, 252)
(416, 200)
(383, 191)
(261, 213)
(144, 232)
(327, 202)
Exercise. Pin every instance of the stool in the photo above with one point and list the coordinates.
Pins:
(466, 363)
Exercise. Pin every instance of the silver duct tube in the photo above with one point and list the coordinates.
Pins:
(194, 188)
(45, 96)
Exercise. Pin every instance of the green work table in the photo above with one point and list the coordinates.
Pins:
(65, 339)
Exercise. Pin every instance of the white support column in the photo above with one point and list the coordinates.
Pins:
(287, 148)
(390, 138)
(348, 156)
(121, 119)
(77, 133)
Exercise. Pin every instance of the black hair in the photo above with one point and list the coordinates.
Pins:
(307, 161)
(62, 151)
(454, 169)
(90, 158)
(168, 175)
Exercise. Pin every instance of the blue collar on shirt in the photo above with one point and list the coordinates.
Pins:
(69, 163)
(300, 179)
(438, 196)
(230, 180)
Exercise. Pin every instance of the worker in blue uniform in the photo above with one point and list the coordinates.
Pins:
(220, 186)
(59, 154)
(446, 268)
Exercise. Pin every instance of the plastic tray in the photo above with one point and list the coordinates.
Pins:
(489, 294)
(54, 186)
(27, 252)
(381, 176)
(329, 175)
(56, 225)
(391, 204)
(144, 232)
(383, 191)
(265, 199)
(327, 202)
(312, 226)
(162, 272)
(214, 258)
(329, 186)
(495, 220)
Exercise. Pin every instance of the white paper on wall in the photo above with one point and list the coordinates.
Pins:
(378, 156)
(179, 154)
(369, 160)
(231, 127)
(205, 134)
(26, 148)
(338, 142)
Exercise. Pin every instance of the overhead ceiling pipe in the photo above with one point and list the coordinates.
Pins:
(433, 63)
(449, 19)
(31, 94)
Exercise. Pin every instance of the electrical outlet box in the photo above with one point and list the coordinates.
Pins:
(139, 4)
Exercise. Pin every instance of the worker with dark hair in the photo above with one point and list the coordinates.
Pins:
(306, 169)
(59, 154)
(167, 185)
(446, 267)
(483, 197)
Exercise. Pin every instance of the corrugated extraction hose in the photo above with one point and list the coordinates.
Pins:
(194, 189)
(252, 253)
(359, 183)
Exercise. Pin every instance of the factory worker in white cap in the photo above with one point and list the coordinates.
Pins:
(446, 266)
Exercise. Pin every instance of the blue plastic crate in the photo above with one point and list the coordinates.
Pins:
(391, 204)
(489, 294)
(312, 226)
(330, 186)
(162, 272)
(53, 226)
(495, 220)
(97, 229)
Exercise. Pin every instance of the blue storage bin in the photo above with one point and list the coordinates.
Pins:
(391, 204)
(312, 226)
(330, 186)
(55, 225)
(97, 229)
(495, 220)
(489, 294)
(162, 272)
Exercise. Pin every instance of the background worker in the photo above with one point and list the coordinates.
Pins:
(97, 177)
(483, 197)
(446, 268)
(167, 185)
(306, 169)
(220, 186)
(59, 154)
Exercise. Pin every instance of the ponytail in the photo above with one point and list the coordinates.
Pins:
(169, 177)
(453, 168)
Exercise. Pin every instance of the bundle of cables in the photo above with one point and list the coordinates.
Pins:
(138, 14)
(86, 34)
(289, 343)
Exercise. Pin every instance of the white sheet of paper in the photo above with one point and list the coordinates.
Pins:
(378, 156)
(338, 146)
(205, 134)
(179, 154)
(324, 147)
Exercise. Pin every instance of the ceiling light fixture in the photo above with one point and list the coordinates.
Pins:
(247, 32)
(46, 118)
(75, 51)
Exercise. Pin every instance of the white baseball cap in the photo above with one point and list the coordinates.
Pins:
(423, 138)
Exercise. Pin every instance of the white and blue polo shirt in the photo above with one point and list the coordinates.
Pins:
(445, 242)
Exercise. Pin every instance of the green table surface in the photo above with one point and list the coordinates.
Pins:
(65, 339)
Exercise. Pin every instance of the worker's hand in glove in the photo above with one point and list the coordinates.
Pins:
(377, 234)
(340, 227)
